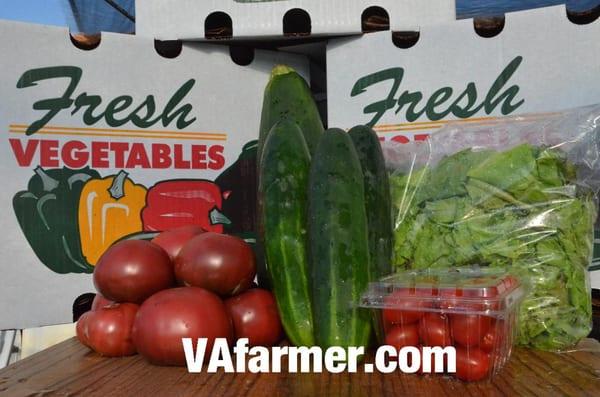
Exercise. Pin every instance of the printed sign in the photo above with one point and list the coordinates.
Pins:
(112, 143)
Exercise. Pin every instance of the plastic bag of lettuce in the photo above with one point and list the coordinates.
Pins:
(518, 192)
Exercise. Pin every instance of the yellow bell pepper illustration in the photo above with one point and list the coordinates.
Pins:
(109, 208)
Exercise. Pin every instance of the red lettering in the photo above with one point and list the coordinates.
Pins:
(400, 138)
(24, 156)
(161, 155)
(421, 137)
(74, 154)
(100, 155)
(49, 153)
(119, 149)
(179, 161)
(199, 157)
(217, 160)
(138, 157)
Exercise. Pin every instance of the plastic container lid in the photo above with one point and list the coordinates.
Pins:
(477, 290)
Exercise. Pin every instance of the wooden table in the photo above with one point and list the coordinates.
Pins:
(69, 369)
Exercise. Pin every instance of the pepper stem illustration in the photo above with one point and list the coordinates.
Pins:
(218, 218)
(48, 183)
(117, 189)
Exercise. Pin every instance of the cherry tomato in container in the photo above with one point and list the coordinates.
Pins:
(407, 306)
(185, 312)
(400, 336)
(220, 263)
(490, 339)
(472, 364)
(132, 270)
(100, 301)
(174, 239)
(107, 330)
(468, 329)
(434, 330)
(254, 315)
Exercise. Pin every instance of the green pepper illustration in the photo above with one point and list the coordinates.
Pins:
(47, 214)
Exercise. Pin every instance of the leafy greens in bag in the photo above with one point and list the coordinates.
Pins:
(520, 200)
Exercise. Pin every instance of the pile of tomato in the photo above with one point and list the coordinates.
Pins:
(185, 283)
(449, 317)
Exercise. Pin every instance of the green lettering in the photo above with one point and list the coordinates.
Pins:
(507, 96)
(411, 99)
(52, 105)
(379, 108)
(169, 114)
(437, 98)
(465, 112)
(91, 102)
(115, 106)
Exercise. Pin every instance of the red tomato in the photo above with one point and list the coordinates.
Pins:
(220, 263)
(254, 314)
(471, 364)
(174, 239)
(489, 340)
(108, 329)
(132, 270)
(434, 330)
(402, 335)
(185, 312)
(407, 306)
(81, 329)
(468, 329)
(100, 301)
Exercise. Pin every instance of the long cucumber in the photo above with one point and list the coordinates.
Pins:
(283, 212)
(288, 97)
(377, 199)
(338, 243)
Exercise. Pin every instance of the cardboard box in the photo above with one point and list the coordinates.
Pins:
(146, 136)
(539, 62)
(251, 19)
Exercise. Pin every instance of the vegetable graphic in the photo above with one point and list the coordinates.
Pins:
(109, 208)
(238, 184)
(47, 214)
(183, 202)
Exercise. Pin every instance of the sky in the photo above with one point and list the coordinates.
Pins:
(97, 15)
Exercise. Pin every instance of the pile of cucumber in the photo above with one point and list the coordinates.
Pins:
(324, 216)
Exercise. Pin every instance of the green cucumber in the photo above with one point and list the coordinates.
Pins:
(338, 243)
(283, 211)
(377, 199)
(288, 97)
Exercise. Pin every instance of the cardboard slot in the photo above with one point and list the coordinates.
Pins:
(168, 48)
(85, 42)
(405, 39)
(375, 19)
(489, 26)
(241, 55)
(584, 17)
(82, 304)
(296, 22)
(218, 25)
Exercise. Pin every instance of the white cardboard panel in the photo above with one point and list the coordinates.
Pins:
(184, 19)
(224, 98)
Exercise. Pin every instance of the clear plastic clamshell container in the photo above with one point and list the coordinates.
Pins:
(473, 309)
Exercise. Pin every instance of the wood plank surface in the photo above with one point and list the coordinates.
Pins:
(70, 369)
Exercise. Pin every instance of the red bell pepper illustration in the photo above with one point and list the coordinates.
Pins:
(183, 202)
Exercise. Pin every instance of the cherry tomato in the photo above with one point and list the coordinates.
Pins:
(489, 339)
(407, 305)
(472, 364)
(254, 314)
(220, 263)
(434, 330)
(81, 329)
(174, 239)
(402, 335)
(108, 330)
(132, 270)
(100, 301)
(172, 314)
(468, 329)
